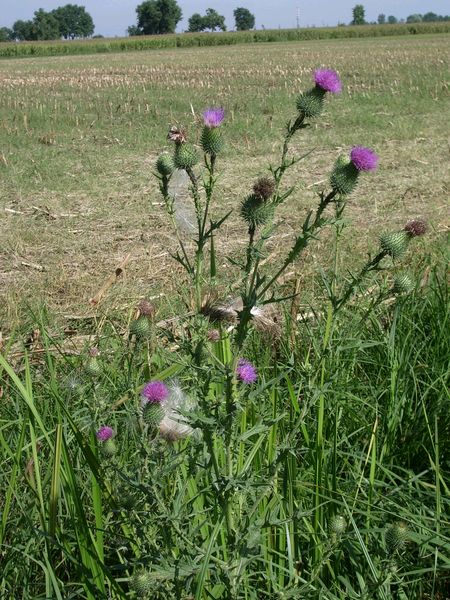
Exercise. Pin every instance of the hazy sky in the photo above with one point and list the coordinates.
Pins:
(112, 17)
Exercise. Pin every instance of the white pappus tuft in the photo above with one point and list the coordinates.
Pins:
(174, 425)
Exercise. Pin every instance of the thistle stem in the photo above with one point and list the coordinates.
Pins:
(369, 266)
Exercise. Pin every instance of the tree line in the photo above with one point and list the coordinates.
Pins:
(68, 22)
(359, 17)
(162, 16)
(158, 17)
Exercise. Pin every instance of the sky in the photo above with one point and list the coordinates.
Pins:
(112, 17)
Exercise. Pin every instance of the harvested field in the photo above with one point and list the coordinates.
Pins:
(79, 136)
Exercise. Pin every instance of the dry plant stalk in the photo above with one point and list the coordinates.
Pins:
(112, 279)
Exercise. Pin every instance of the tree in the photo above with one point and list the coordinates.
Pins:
(23, 30)
(45, 26)
(431, 17)
(244, 19)
(73, 21)
(359, 15)
(133, 30)
(196, 23)
(214, 21)
(416, 18)
(6, 35)
(157, 16)
(392, 20)
(381, 19)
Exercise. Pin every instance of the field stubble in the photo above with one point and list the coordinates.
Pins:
(79, 136)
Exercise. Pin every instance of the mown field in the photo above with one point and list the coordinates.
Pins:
(79, 136)
(295, 447)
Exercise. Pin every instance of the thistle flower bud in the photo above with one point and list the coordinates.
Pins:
(109, 447)
(164, 164)
(142, 583)
(394, 243)
(255, 212)
(264, 188)
(344, 176)
(92, 365)
(140, 327)
(396, 536)
(416, 227)
(105, 435)
(186, 156)
(337, 525)
(310, 103)
(152, 413)
(403, 284)
(153, 395)
(211, 140)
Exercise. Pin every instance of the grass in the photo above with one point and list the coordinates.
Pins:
(83, 521)
(325, 478)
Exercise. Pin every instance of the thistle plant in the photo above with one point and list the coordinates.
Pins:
(214, 415)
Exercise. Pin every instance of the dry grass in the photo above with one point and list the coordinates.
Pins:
(79, 135)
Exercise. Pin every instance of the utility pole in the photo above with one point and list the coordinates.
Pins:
(298, 17)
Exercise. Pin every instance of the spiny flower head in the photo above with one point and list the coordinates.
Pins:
(154, 391)
(363, 158)
(105, 433)
(213, 117)
(416, 227)
(246, 371)
(328, 80)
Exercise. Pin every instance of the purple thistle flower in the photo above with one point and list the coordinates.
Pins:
(364, 159)
(246, 371)
(154, 391)
(213, 117)
(328, 80)
(105, 433)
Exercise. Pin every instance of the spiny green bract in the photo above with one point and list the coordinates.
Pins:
(394, 243)
(255, 211)
(396, 536)
(337, 525)
(310, 103)
(186, 156)
(344, 177)
(403, 284)
(142, 583)
(141, 327)
(152, 413)
(109, 447)
(165, 165)
(211, 140)
(93, 367)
